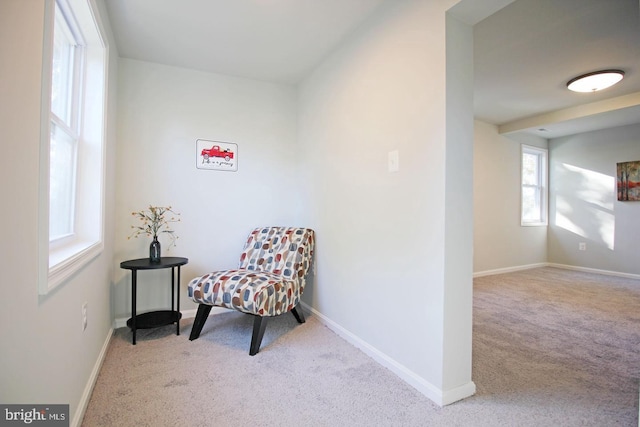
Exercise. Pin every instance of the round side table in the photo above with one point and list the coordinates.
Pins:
(157, 318)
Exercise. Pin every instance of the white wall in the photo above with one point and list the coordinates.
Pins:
(583, 207)
(381, 236)
(46, 357)
(458, 267)
(384, 89)
(162, 112)
(583, 201)
(500, 242)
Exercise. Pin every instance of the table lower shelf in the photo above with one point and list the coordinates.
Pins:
(153, 319)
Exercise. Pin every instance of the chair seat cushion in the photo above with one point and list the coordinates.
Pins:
(256, 292)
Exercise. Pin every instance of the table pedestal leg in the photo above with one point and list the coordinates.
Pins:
(133, 304)
(178, 303)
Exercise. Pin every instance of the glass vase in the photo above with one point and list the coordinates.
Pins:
(154, 250)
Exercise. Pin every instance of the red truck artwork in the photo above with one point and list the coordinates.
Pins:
(215, 151)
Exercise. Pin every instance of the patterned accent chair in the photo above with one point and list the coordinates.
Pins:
(269, 280)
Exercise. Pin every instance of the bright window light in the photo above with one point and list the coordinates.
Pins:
(72, 187)
(534, 186)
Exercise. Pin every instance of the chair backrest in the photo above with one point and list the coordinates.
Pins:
(286, 251)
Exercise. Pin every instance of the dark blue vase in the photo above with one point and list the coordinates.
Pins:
(154, 250)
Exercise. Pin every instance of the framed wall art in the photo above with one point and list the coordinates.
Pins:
(628, 180)
(216, 155)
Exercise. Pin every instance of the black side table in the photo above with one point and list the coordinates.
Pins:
(154, 319)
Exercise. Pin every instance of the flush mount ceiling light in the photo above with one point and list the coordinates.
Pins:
(598, 80)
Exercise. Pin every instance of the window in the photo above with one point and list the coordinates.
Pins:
(66, 81)
(534, 186)
(72, 188)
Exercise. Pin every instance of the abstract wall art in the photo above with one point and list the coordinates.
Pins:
(628, 179)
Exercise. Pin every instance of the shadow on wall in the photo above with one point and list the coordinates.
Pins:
(586, 205)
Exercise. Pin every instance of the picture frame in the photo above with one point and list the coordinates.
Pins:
(216, 155)
(628, 181)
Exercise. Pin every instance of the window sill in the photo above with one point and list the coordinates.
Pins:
(67, 260)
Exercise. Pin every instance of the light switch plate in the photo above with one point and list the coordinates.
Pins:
(393, 161)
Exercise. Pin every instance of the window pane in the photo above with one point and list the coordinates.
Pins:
(73, 206)
(62, 72)
(530, 169)
(62, 183)
(530, 204)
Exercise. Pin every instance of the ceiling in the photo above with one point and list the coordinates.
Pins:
(523, 54)
(272, 40)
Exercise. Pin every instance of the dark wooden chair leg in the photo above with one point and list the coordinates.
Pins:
(298, 314)
(259, 325)
(200, 320)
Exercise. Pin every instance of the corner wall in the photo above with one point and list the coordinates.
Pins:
(500, 242)
(46, 357)
(381, 234)
(162, 111)
(583, 201)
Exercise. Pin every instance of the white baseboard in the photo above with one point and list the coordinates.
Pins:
(596, 271)
(509, 269)
(549, 264)
(186, 314)
(426, 388)
(88, 389)
(458, 393)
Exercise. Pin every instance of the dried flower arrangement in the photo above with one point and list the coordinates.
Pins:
(155, 220)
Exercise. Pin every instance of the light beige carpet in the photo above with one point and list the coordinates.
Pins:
(551, 348)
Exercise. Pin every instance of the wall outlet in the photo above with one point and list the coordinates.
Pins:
(84, 316)
(582, 246)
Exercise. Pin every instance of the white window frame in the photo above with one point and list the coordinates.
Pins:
(61, 258)
(70, 124)
(540, 187)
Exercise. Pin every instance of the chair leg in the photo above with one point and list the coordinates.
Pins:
(297, 313)
(259, 325)
(200, 320)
